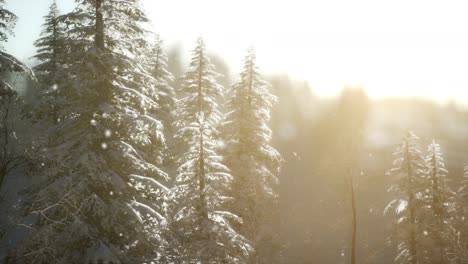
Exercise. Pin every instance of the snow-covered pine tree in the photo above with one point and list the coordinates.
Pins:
(155, 61)
(159, 70)
(166, 100)
(253, 161)
(462, 194)
(51, 69)
(408, 171)
(152, 58)
(201, 223)
(99, 205)
(442, 222)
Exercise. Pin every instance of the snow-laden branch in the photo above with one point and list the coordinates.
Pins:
(150, 180)
(149, 210)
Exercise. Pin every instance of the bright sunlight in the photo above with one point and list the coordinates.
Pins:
(397, 48)
(233, 132)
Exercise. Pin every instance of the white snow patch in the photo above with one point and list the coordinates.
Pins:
(401, 206)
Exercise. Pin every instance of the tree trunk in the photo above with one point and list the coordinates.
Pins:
(412, 219)
(436, 201)
(201, 176)
(54, 67)
(99, 33)
(2, 177)
(354, 222)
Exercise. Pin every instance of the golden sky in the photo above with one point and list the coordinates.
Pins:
(390, 48)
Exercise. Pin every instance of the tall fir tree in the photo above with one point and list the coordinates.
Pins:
(202, 223)
(443, 217)
(155, 61)
(51, 69)
(462, 198)
(254, 162)
(158, 64)
(408, 171)
(98, 206)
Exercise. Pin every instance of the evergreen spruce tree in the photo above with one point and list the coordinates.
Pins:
(159, 70)
(52, 67)
(442, 221)
(99, 205)
(408, 171)
(202, 223)
(463, 230)
(155, 61)
(253, 161)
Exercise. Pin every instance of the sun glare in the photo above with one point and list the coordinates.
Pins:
(393, 48)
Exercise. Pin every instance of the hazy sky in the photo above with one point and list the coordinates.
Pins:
(398, 47)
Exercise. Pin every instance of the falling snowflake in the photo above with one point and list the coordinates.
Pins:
(220, 144)
(93, 122)
(425, 232)
(296, 156)
(107, 133)
(54, 87)
(104, 145)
